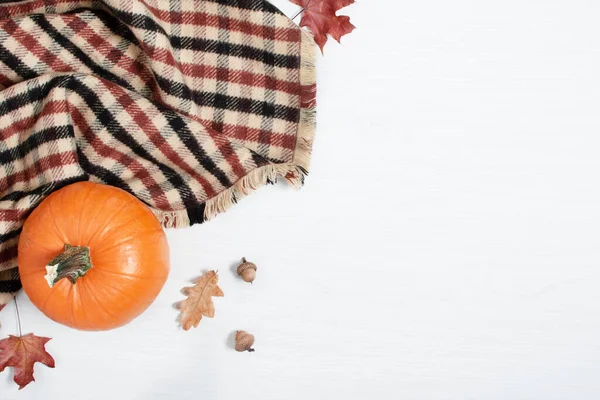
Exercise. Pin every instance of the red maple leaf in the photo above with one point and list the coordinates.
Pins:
(320, 17)
(21, 352)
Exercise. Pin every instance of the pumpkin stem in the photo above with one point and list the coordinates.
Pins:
(73, 263)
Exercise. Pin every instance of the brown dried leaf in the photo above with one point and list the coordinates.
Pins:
(199, 302)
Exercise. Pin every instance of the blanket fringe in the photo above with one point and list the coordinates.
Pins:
(172, 219)
(308, 112)
(6, 297)
(248, 184)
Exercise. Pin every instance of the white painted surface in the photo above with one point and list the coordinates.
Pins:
(444, 247)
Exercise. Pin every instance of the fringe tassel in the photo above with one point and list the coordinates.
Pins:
(172, 219)
(308, 112)
(249, 183)
(5, 298)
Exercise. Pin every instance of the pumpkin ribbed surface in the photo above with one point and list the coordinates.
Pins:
(127, 247)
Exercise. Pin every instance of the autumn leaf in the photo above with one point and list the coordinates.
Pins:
(320, 17)
(199, 302)
(21, 352)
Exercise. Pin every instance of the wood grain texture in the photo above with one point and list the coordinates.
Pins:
(445, 245)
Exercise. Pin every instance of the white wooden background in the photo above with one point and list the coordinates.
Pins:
(446, 245)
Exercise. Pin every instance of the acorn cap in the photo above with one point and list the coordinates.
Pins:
(244, 266)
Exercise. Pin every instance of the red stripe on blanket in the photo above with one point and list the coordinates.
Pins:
(261, 136)
(239, 77)
(12, 9)
(34, 46)
(22, 125)
(13, 215)
(62, 160)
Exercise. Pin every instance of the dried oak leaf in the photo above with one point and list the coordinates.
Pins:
(21, 352)
(320, 17)
(199, 302)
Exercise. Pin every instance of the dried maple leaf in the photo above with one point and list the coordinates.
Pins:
(21, 352)
(199, 301)
(319, 16)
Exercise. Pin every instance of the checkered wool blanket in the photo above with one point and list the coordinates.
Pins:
(187, 104)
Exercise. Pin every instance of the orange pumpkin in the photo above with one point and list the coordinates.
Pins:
(92, 256)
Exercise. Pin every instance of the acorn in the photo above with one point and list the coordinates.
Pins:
(244, 341)
(247, 270)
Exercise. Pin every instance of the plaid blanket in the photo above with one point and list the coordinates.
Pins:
(187, 104)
